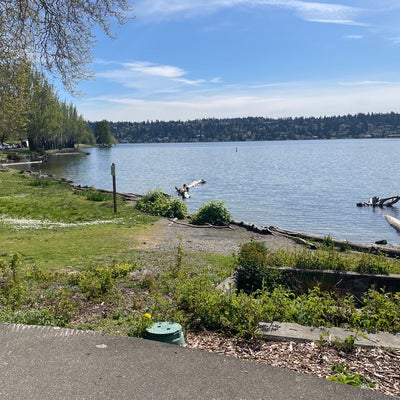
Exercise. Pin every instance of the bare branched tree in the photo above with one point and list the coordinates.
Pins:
(57, 35)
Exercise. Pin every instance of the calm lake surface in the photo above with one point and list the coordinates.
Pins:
(308, 186)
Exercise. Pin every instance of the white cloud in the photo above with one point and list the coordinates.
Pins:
(149, 78)
(147, 68)
(324, 12)
(369, 83)
(307, 10)
(293, 100)
(354, 37)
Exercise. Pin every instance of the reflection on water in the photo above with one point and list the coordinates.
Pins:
(310, 186)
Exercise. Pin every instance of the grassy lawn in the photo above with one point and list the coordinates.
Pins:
(53, 226)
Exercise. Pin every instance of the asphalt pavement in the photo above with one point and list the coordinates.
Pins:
(40, 363)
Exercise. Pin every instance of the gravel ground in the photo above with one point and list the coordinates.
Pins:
(166, 234)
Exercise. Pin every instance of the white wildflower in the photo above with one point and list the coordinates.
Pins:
(23, 223)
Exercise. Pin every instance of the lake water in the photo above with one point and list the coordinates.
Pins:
(308, 186)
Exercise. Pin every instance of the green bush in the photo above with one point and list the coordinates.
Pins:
(253, 272)
(370, 264)
(162, 204)
(94, 283)
(322, 260)
(214, 213)
(176, 209)
(199, 304)
(380, 311)
(322, 308)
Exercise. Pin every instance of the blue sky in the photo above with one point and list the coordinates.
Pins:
(189, 59)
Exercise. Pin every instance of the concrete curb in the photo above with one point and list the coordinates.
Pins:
(285, 331)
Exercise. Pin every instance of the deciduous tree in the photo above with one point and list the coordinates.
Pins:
(57, 34)
(102, 133)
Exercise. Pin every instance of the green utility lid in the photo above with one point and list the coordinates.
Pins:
(167, 332)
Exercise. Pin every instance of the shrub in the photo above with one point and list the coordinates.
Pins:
(95, 282)
(161, 204)
(370, 264)
(253, 272)
(176, 209)
(139, 324)
(323, 260)
(380, 311)
(214, 213)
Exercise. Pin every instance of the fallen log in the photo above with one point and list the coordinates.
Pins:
(376, 248)
(394, 222)
(376, 201)
(184, 190)
(390, 251)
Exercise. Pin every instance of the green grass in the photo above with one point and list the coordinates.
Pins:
(58, 246)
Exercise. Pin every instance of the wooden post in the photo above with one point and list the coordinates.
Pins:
(114, 186)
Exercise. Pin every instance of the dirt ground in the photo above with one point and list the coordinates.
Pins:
(166, 234)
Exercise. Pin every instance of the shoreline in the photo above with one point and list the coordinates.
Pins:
(302, 238)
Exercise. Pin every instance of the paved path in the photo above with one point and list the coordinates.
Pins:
(40, 363)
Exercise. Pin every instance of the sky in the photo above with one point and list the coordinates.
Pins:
(192, 59)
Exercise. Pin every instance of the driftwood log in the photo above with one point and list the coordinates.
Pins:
(184, 190)
(394, 222)
(379, 247)
(376, 201)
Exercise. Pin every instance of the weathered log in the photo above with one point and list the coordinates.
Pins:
(184, 190)
(376, 248)
(376, 201)
(390, 251)
(394, 222)
(389, 201)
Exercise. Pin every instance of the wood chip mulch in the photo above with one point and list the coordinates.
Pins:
(378, 365)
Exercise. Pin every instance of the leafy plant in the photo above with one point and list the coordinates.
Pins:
(214, 213)
(345, 376)
(139, 325)
(370, 264)
(321, 260)
(348, 344)
(44, 317)
(253, 272)
(176, 268)
(162, 204)
(380, 311)
(318, 308)
(328, 242)
(97, 282)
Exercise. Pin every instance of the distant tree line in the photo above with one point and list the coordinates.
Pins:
(258, 128)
